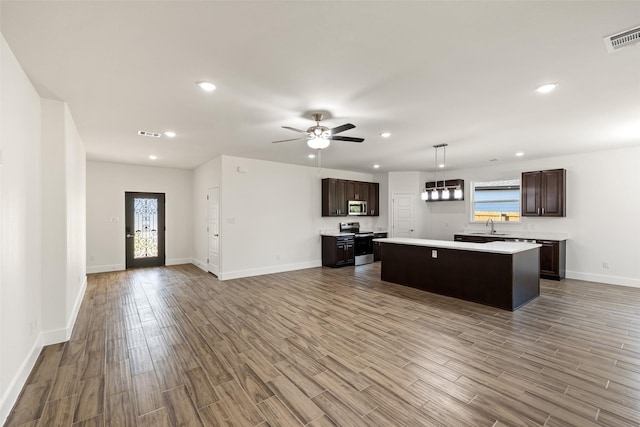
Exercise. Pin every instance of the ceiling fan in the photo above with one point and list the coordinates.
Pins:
(319, 137)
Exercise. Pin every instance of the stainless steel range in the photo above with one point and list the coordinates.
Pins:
(363, 242)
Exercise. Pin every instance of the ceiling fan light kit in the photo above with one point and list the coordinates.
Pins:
(318, 143)
(319, 137)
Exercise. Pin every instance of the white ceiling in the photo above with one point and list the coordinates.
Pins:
(460, 73)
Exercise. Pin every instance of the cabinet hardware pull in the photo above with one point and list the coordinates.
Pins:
(538, 211)
(542, 211)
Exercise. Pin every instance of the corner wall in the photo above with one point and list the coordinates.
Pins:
(63, 226)
(270, 215)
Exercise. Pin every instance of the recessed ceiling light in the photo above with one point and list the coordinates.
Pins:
(546, 88)
(376, 166)
(153, 157)
(312, 156)
(441, 165)
(520, 154)
(385, 134)
(207, 86)
(169, 134)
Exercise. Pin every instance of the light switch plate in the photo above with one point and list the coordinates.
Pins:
(434, 253)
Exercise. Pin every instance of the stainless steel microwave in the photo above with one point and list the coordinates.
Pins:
(357, 207)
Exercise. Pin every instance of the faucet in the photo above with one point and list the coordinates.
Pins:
(490, 220)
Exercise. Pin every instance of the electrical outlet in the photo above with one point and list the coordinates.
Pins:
(434, 253)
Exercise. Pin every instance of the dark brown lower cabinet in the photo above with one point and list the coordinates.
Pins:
(552, 259)
(338, 251)
(377, 253)
(553, 254)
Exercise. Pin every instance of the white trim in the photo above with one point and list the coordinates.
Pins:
(178, 261)
(269, 270)
(19, 380)
(200, 264)
(105, 268)
(607, 280)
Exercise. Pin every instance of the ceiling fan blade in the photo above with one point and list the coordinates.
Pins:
(294, 129)
(288, 140)
(346, 138)
(342, 128)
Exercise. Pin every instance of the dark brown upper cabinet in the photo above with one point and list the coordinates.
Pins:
(337, 192)
(543, 193)
(334, 199)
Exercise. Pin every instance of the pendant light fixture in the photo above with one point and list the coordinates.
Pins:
(449, 190)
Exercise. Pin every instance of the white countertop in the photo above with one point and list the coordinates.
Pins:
(531, 235)
(335, 233)
(492, 247)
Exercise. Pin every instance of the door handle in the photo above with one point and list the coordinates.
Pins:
(130, 235)
(215, 235)
(411, 230)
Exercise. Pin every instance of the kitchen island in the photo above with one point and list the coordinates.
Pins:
(498, 274)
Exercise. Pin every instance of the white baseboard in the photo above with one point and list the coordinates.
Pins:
(19, 379)
(268, 270)
(105, 268)
(178, 261)
(601, 278)
(201, 265)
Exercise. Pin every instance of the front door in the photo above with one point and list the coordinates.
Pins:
(144, 228)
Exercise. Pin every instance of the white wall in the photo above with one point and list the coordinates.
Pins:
(106, 185)
(20, 282)
(603, 208)
(270, 216)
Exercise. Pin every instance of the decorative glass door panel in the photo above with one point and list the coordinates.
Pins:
(145, 223)
(144, 233)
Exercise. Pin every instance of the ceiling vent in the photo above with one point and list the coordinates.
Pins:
(622, 40)
(151, 134)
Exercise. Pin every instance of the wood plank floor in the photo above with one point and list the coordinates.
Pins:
(319, 347)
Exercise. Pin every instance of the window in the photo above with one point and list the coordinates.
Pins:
(497, 200)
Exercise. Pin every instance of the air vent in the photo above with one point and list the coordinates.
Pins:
(622, 40)
(151, 134)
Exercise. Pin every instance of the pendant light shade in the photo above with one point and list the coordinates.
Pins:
(457, 193)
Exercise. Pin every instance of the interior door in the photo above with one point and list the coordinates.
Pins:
(145, 229)
(213, 230)
(403, 215)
